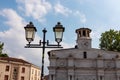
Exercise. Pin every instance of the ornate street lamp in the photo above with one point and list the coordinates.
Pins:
(58, 30)
(30, 33)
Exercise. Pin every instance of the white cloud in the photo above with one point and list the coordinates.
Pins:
(14, 20)
(35, 8)
(81, 16)
(62, 10)
(14, 38)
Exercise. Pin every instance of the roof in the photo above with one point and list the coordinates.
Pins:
(83, 29)
(18, 60)
(91, 49)
(14, 59)
(93, 52)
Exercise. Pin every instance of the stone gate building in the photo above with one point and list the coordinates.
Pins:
(84, 62)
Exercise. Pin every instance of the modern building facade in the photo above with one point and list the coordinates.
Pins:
(18, 69)
(84, 62)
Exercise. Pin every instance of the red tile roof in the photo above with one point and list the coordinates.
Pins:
(14, 59)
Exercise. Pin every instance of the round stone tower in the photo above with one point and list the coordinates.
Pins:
(83, 38)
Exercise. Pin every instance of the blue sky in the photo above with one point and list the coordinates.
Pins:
(98, 15)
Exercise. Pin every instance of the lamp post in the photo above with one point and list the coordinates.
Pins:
(30, 30)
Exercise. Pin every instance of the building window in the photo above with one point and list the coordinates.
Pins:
(15, 73)
(23, 70)
(6, 77)
(22, 78)
(7, 68)
(84, 54)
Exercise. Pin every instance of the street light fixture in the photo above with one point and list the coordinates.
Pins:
(58, 30)
(30, 30)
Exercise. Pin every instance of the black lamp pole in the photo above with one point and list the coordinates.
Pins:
(45, 44)
(43, 49)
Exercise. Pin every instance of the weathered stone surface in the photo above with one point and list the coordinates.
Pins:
(84, 62)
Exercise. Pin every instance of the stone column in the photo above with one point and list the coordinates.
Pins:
(100, 68)
(70, 67)
(117, 65)
(86, 33)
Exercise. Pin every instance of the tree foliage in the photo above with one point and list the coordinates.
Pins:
(110, 40)
(1, 49)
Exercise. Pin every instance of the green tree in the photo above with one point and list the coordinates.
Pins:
(1, 48)
(110, 40)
